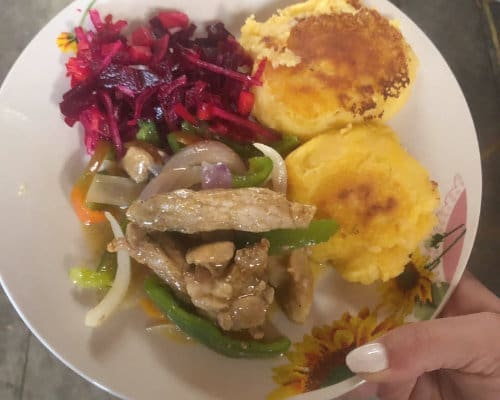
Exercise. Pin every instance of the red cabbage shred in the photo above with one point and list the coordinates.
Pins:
(161, 73)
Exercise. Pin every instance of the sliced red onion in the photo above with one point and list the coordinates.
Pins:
(174, 178)
(215, 176)
(184, 167)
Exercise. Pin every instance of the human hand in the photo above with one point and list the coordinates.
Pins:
(456, 357)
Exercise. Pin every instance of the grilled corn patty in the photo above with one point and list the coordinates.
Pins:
(330, 63)
(381, 196)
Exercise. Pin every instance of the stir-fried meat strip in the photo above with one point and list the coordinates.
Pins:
(239, 299)
(300, 287)
(213, 256)
(246, 209)
(206, 293)
(251, 292)
(294, 282)
(160, 254)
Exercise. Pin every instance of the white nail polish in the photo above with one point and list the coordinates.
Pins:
(369, 358)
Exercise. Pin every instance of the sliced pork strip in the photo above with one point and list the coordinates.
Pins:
(246, 209)
(159, 254)
(296, 294)
(240, 298)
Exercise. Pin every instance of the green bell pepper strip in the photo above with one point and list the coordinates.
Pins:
(203, 131)
(259, 169)
(205, 331)
(89, 279)
(174, 144)
(108, 262)
(147, 132)
(286, 145)
(318, 231)
(245, 151)
(100, 278)
(282, 240)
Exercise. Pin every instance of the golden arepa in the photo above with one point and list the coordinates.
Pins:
(382, 198)
(330, 63)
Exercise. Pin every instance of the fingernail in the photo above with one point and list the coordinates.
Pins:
(369, 358)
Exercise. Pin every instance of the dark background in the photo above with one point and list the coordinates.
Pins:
(460, 29)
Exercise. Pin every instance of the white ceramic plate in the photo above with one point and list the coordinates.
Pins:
(41, 157)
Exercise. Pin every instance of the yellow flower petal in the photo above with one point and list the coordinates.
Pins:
(325, 349)
(399, 295)
(66, 42)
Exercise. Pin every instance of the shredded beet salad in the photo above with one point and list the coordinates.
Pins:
(161, 74)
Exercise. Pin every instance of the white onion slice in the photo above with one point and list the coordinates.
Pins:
(279, 176)
(114, 190)
(118, 290)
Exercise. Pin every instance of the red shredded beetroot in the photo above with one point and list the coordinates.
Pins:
(161, 73)
(195, 59)
(113, 125)
(173, 19)
(142, 37)
(254, 127)
(245, 103)
(183, 112)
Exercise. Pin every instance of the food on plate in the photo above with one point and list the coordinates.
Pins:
(205, 332)
(245, 209)
(294, 277)
(329, 63)
(382, 198)
(177, 169)
(205, 212)
(159, 80)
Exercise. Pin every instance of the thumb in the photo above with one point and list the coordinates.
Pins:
(467, 343)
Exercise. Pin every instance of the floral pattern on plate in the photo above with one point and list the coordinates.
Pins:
(319, 359)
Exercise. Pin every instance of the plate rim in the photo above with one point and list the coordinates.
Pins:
(323, 393)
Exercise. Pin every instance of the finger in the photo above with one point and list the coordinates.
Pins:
(415, 389)
(396, 391)
(426, 388)
(365, 391)
(466, 343)
(470, 297)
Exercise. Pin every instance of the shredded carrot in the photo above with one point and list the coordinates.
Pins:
(151, 310)
(79, 192)
(86, 215)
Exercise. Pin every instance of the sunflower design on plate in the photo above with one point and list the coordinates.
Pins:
(414, 285)
(417, 290)
(67, 42)
(319, 360)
